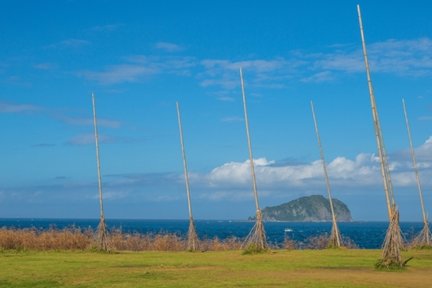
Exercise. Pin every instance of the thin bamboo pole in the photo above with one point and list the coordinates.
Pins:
(335, 238)
(102, 237)
(256, 238)
(251, 162)
(393, 242)
(425, 234)
(192, 236)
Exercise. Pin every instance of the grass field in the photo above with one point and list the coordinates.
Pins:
(281, 268)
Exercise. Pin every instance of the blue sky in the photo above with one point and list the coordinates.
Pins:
(139, 57)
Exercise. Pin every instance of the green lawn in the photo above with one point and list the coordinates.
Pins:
(298, 268)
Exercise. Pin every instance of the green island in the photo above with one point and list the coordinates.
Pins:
(277, 268)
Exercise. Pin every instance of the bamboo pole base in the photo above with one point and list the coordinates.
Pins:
(393, 244)
(192, 241)
(423, 239)
(335, 240)
(256, 240)
(102, 236)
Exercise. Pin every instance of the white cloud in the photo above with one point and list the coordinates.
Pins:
(168, 47)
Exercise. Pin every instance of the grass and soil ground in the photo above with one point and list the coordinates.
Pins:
(279, 268)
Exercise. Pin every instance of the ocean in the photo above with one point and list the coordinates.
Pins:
(368, 235)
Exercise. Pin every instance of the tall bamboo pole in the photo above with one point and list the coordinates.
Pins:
(425, 234)
(378, 134)
(102, 227)
(256, 237)
(335, 238)
(192, 236)
(393, 242)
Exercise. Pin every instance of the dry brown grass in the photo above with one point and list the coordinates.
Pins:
(76, 239)
(67, 239)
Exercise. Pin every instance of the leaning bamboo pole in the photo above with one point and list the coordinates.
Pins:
(335, 237)
(192, 240)
(256, 239)
(424, 237)
(393, 241)
(101, 235)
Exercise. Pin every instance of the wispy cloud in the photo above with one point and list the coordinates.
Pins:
(425, 118)
(323, 76)
(43, 145)
(168, 47)
(85, 121)
(118, 74)
(18, 108)
(70, 43)
(57, 114)
(89, 139)
(45, 66)
(85, 139)
(105, 28)
(264, 72)
(140, 67)
(230, 119)
(408, 58)
(412, 58)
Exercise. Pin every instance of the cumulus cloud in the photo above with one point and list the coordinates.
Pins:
(231, 179)
(363, 170)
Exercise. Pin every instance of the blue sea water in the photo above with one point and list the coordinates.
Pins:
(364, 234)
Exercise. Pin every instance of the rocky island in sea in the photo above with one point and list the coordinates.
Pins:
(308, 209)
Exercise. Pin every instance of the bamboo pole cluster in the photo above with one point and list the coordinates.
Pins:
(256, 239)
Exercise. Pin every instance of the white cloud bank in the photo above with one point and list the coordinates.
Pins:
(361, 172)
